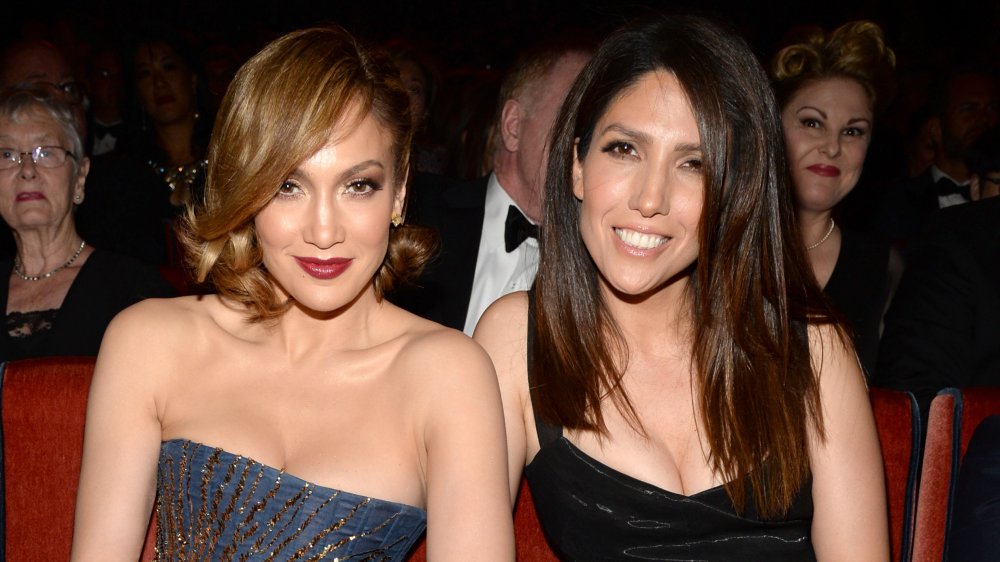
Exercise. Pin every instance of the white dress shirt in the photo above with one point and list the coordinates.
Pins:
(498, 272)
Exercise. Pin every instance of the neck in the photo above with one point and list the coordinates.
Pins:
(41, 251)
(813, 225)
(175, 140)
(301, 331)
(512, 183)
(954, 167)
(648, 321)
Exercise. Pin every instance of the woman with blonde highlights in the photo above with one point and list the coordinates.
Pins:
(828, 87)
(296, 414)
(676, 388)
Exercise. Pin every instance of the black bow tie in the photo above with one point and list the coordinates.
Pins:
(945, 187)
(517, 229)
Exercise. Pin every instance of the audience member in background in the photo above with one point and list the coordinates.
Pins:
(360, 421)
(468, 106)
(420, 78)
(137, 192)
(106, 94)
(963, 105)
(488, 227)
(37, 62)
(677, 389)
(943, 327)
(58, 292)
(827, 88)
(984, 166)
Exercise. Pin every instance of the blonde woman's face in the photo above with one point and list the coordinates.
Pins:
(828, 127)
(326, 232)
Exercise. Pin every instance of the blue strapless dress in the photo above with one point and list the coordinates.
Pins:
(214, 505)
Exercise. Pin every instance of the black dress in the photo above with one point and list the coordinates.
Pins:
(106, 284)
(590, 511)
(859, 290)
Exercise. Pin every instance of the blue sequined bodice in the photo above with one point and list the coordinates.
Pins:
(214, 505)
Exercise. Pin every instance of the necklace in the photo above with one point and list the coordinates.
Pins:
(179, 176)
(20, 272)
(825, 237)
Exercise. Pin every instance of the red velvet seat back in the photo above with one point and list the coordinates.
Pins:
(44, 405)
(955, 414)
(898, 422)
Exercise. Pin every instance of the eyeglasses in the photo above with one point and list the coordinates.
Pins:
(42, 156)
(72, 91)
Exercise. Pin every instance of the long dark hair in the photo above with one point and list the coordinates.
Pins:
(751, 293)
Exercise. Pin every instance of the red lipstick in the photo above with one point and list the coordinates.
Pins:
(323, 269)
(824, 170)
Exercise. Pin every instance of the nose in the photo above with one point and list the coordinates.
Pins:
(325, 227)
(28, 167)
(651, 195)
(831, 144)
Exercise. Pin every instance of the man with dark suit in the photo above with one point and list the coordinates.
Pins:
(964, 106)
(487, 228)
(943, 327)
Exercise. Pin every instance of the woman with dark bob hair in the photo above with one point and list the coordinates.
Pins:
(296, 414)
(676, 388)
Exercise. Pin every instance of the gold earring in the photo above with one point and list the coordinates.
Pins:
(397, 219)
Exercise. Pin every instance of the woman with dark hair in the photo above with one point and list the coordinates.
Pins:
(827, 87)
(160, 165)
(676, 387)
(250, 414)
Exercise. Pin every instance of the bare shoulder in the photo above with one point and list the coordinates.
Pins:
(442, 355)
(503, 333)
(841, 382)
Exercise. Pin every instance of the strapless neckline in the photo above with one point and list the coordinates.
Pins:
(271, 473)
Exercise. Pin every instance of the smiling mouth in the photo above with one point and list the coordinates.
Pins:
(639, 240)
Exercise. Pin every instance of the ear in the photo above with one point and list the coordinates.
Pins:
(577, 171)
(399, 199)
(81, 179)
(934, 128)
(510, 125)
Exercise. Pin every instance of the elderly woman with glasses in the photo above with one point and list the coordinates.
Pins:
(59, 293)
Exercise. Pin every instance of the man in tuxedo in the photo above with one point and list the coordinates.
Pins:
(964, 105)
(943, 327)
(488, 228)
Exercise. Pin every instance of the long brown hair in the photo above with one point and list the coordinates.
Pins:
(752, 293)
(280, 109)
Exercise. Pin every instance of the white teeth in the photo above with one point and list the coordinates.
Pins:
(640, 240)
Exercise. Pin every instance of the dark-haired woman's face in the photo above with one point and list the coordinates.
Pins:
(641, 187)
(164, 83)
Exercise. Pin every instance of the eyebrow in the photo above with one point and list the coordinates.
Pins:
(361, 167)
(823, 114)
(646, 138)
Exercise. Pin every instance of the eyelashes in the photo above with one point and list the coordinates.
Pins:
(359, 188)
(624, 150)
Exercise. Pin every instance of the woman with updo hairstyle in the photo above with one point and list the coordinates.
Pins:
(296, 414)
(829, 87)
(676, 387)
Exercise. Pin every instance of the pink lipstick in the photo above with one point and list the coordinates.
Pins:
(323, 269)
(824, 170)
(30, 196)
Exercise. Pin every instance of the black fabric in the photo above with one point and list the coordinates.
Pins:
(455, 210)
(516, 229)
(592, 512)
(943, 327)
(975, 519)
(859, 289)
(105, 285)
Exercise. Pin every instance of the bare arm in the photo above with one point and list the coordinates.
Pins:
(849, 520)
(468, 509)
(502, 331)
(121, 444)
